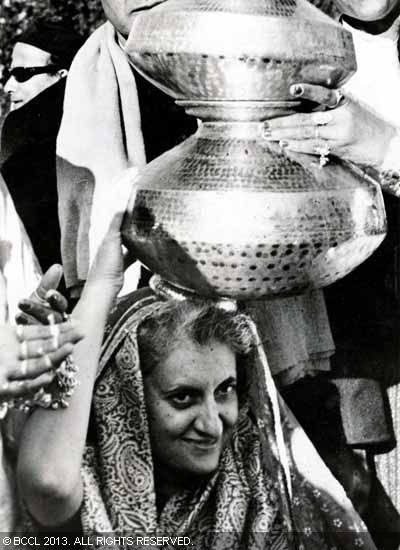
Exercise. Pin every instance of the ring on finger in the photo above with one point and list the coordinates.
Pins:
(323, 151)
(339, 98)
(47, 361)
(316, 133)
(23, 350)
(39, 352)
(37, 298)
(24, 368)
(55, 335)
(54, 330)
(20, 333)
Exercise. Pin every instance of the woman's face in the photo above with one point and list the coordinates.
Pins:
(367, 10)
(192, 406)
(25, 55)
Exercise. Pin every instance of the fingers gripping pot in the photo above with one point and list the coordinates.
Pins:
(226, 212)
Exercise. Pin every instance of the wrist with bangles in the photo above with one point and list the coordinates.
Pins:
(58, 393)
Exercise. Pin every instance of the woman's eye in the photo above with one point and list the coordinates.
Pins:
(227, 390)
(181, 399)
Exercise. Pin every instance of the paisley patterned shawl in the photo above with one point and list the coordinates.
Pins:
(244, 505)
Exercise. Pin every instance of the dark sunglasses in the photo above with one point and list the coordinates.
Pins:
(22, 74)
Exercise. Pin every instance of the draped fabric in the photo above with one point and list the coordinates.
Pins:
(19, 269)
(28, 166)
(100, 136)
(248, 503)
(8, 504)
(364, 306)
(296, 335)
(19, 276)
(378, 55)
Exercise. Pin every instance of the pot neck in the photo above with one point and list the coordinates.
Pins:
(237, 111)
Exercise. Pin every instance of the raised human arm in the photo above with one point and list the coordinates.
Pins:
(53, 441)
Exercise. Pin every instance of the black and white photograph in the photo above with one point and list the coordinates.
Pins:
(200, 274)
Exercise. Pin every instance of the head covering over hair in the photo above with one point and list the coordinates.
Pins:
(59, 40)
(246, 503)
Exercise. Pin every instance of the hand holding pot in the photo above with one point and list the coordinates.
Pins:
(345, 127)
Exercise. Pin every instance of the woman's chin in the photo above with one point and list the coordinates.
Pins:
(366, 11)
(200, 468)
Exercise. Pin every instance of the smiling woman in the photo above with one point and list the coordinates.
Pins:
(192, 406)
(184, 442)
(188, 438)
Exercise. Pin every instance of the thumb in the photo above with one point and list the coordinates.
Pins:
(318, 94)
(50, 280)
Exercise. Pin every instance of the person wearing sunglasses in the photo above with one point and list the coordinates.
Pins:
(21, 84)
(35, 84)
(26, 82)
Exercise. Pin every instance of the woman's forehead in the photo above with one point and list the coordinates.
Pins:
(25, 55)
(189, 363)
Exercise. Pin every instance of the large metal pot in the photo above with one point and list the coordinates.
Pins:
(226, 212)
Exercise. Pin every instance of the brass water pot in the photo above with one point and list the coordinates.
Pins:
(226, 213)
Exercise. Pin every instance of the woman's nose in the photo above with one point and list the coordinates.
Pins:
(10, 85)
(208, 420)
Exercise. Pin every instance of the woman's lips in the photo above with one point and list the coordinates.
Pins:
(16, 102)
(206, 444)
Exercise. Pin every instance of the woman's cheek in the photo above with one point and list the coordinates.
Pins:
(178, 421)
(230, 413)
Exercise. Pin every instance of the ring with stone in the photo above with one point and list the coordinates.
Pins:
(323, 151)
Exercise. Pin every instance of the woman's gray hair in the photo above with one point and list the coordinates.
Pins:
(200, 323)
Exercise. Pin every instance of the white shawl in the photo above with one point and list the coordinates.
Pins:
(100, 129)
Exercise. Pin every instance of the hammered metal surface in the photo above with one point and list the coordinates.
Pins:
(227, 213)
(239, 50)
(275, 8)
(239, 217)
